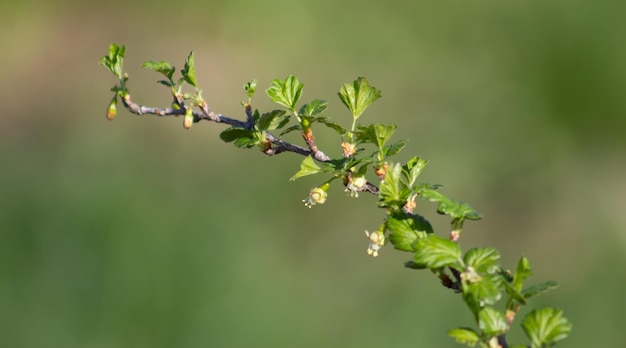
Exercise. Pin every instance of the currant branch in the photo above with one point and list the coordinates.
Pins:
(476, 274)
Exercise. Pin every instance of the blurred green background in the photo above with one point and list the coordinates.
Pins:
(136, 233)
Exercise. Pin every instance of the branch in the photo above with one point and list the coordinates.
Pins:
(206, 114)
(280, 145)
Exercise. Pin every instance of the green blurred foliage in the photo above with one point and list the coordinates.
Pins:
(136, 233)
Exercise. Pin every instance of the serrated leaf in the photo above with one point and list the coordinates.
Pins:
(406, 229)
(286, 92)
(436, 252)
(491, 321)
(522, 272)
(390, 193)
(274, 119)
(375, 133)
(231, 134)
(307, 167)
(544, 327)
(455, 209)
(334, 126)
(538, 289)
(393, 149)
(313, 108)
(358, 96)
(483, 260)
(114, 60)
(291, 129)
(247, 142)
(486, 291)
(162, 67)
(464, 336)
(413, 169)
(189, 71)
(515, 297)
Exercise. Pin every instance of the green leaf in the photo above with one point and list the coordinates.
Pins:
(413, 169)
(390, 193)
(544, 327)
(161, 67)
(358, 96)
(291, 129)
(436, 252)
(491, 322)
(406, 229)
(522, 272)
(231, 134)
(334, 126)
(464, 336)
(114, 60)
(393, 149)
(539, 289)
(313, 108)
(286, 92)
(250, 88)
(457, 210)
(515, 297)
(307, 167)
(483, 260)
(375, 133)
(247, 142)
(189, 71)
(485, 291)
(273, 120)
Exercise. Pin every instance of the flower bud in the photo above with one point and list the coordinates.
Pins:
(188, 120)
(112, 109)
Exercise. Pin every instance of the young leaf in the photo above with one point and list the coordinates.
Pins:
(539, 289)
(336, 127)
(485, 291)
(114, 60)
(286, 92)
(307, 167)
(544, 327)
(390, 193)
(413, 169)
(483, 260)
(189, 71)
(457, 210)
(161, 67)
(250, 88)
(522, 272)
(291, 129)
(358, 96)
(247, 142)
(491, 322)
(464, 336)
(376, 133)
(231, 134)
(313, 108)
(406, 229)
(393, 149)
(273, 120)
(436, 252)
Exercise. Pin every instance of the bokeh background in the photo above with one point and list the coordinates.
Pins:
(136, 233)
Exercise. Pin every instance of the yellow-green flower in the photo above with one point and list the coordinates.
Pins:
(317, 195)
